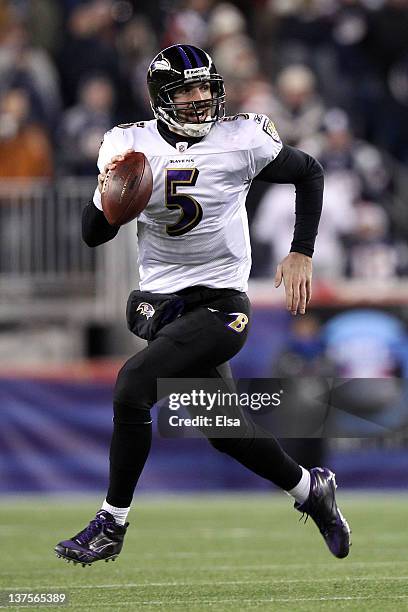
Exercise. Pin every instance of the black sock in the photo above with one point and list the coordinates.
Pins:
(129, 450)
(266, 457)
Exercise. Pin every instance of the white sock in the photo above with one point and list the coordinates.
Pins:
(302, 489)
(119, 514)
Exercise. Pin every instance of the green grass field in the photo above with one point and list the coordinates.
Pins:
(213, 553)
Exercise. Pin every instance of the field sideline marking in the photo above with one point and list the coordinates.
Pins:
(131, 585)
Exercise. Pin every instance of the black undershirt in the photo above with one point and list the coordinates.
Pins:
(302, 170)
(291, 166)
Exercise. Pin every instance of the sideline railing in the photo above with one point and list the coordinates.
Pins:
(46, 270)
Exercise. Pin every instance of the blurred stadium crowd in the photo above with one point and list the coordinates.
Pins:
(332, 74)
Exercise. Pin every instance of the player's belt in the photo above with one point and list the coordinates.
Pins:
(147, 313)
(201, 295)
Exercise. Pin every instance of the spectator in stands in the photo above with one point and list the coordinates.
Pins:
(25, 150)
(188, 21)
(234, 53)
(339, 151)
(393, 133)
(273, 225)
(137, 43)
(84, 125)
(257, 95)
(297, 109)
(352, 82)
(297, 31)
(387, 39)
(90, 46)
(304, 353)
(44, 22)
(371, 253)
(30, 68)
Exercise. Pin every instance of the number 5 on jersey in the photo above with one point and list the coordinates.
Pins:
(191, 212)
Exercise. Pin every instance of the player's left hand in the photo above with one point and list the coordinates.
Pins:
(296, 272)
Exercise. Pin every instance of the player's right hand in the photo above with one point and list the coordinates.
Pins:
(111, 166)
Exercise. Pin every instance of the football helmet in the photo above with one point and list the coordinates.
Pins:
(175, 67)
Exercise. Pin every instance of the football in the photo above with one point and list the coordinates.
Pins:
(127, 189)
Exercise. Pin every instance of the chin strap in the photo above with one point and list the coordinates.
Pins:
(194, 130)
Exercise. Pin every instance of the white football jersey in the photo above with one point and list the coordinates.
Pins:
(194, 230)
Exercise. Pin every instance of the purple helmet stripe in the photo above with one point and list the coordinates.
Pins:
(196, 57)
(184, 55)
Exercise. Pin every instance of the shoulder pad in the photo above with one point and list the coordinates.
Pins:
(235, 117)
(258, 118)
(124, 126)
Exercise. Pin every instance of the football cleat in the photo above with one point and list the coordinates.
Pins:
(321, 506)
(101, 540)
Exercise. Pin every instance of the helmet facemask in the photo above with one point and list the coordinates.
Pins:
(171, 112)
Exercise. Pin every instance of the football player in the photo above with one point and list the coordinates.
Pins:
(194, 263)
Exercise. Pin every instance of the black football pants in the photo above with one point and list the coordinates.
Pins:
(196, 345)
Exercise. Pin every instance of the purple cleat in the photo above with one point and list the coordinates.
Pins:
(321, 506)
(102, 539)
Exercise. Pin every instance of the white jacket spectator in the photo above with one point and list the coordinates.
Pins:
(273, 224)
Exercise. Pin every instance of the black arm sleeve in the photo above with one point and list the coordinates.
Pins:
(300, 169)
(95, 228)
